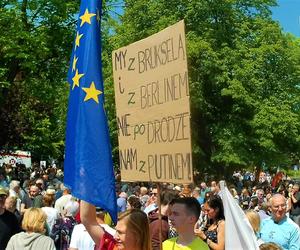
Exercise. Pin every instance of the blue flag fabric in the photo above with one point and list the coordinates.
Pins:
(88, 159)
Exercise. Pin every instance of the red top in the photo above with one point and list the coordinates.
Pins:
(107, 242)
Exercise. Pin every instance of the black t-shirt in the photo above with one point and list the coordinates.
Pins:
(8, 227)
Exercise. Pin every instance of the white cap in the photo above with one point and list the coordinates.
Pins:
(150, 208)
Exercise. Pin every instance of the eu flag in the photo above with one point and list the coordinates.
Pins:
(88, 160)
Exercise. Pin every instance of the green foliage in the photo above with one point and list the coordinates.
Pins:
(294, 174)
(244, 78)
(34, 57)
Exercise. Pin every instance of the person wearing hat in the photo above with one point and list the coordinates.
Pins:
(8, 221)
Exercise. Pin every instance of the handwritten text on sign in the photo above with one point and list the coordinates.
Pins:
(153, 112)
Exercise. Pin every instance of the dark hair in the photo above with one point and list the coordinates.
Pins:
(216, 203)
(254, 200)
(192, 205)
(134, 202)
(167, 196)
(2, 172)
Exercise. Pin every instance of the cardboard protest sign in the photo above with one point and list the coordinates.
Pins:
(153, 110)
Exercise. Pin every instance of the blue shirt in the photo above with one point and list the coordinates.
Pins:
(203, 192)
(286, 233)
(121, 202)
(4, 183)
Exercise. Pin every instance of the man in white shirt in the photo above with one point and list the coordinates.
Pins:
(80, 239)
(63, 200)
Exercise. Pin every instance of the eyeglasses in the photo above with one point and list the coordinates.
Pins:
(155, 194)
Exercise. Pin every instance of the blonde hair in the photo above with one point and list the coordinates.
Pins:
(144, 190)
(254, 220)
(138, 224)
(34, 220)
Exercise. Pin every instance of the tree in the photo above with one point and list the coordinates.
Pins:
(34, 57)
(244, 78)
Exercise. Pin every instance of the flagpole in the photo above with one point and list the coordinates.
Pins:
(159, 215)
(88, 164)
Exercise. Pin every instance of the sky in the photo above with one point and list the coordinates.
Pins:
(288, 14)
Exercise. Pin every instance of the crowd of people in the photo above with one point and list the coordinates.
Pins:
(38, 212)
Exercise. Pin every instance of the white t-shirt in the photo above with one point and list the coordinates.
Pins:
(61, 202)
(52, 215)
(81, 239)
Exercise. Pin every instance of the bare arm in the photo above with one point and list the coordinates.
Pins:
(88, 219)
(198, 232)
(293, 198)
(23, 209)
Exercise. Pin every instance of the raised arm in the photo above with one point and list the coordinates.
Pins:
(88, 219)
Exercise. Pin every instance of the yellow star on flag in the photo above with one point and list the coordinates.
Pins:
(74, 62)
(77, 39)
(92, 93)
(76, 79)
(86, 17)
